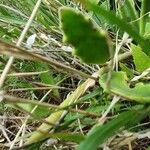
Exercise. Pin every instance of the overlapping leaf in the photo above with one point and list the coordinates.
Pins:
(119, 86)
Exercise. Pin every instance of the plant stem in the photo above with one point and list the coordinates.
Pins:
(145, 8)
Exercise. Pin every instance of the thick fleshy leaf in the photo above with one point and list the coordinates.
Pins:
(119, 86)
(90, 43)
(112, 19)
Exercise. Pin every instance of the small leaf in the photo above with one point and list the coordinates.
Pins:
(67, 136)
(100, 134)
(91, 44)
(141, 60)
(39, 113)
(119, 86)
(47, 77)
(128, 71)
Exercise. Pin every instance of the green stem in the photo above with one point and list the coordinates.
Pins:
(145, 8)
(133, 13)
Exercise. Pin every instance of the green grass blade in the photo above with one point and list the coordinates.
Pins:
(47, 77)
(128, 12)
(11, 20)
(141, 60)
(100, 134)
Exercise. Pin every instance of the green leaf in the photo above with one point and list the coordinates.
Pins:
(148, 148)
(95, 1)
(67, 136)
(91, 44)
(47, 77)
(141, 60)
(128, 71)
(111, 18)
(39, 113)
(119, 86)
(101, 133)
(147, 30)
(62, 136)
(12, 20)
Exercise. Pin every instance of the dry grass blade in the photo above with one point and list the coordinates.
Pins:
(15, 100)
(11, 50)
